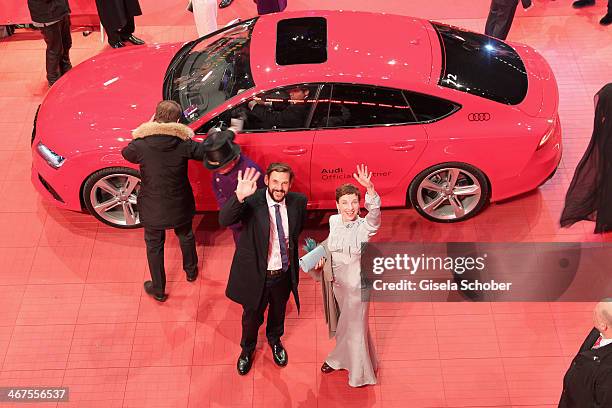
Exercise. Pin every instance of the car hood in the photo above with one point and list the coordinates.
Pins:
(98, 103)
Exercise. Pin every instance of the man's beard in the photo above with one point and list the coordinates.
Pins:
(271, 193)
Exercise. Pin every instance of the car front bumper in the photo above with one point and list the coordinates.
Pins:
(54, 184)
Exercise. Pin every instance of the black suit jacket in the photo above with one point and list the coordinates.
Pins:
(114, 14)
(588, 381)
(293, 116)
(47, 11)
(248, 271)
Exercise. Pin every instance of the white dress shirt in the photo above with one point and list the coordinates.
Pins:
(604, 341)
(274, 256)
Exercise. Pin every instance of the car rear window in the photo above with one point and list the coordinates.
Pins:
(428, 108)
(301, 41)
(481, 65)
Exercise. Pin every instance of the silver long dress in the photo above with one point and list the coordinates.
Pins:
(354, 349)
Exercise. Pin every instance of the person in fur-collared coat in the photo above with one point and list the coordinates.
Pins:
(163, 148)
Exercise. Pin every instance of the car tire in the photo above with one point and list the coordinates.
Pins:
(449, 192)
(110, 195)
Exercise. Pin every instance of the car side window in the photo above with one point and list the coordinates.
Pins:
(286, 108)
(429, 108)
(280, 109)
(357, 105)
(321, 111)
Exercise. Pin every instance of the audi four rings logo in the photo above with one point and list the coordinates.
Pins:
(479, 117)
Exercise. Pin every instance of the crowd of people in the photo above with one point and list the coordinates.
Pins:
(52, 17)
(266, 218)
(501, 15)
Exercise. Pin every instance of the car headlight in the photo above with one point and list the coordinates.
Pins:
(53, 159)
(548, 134)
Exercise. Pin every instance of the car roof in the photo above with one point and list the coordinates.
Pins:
(370, 48)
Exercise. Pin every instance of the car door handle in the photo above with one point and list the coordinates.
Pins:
(402, 147)
(295, 151)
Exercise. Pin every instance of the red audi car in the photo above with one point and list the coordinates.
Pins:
(449, 120)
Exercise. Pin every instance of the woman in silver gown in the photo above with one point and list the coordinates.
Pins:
(354, 350)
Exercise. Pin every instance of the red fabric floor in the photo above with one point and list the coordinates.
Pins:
(73, 312)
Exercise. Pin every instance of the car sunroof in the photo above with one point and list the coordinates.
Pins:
(301, 41)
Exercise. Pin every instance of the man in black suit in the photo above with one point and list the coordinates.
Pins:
(588, 381)
(605, 20)
(264, 270)
(501, 15)
(292, 117)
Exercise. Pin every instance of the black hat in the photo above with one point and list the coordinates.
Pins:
(220, 149)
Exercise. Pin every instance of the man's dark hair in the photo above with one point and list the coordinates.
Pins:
(347, 189)
(167, 112)
(281, 168)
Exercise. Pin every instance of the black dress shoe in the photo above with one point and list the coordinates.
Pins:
(606, 20)
(133, 40)
(583, 3)
(326, 368)
(225, 3)
(148, 286)
(279, 354)
(245, 362)
(191, 278)
(118, 44)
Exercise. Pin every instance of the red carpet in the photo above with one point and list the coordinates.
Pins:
(73, 311)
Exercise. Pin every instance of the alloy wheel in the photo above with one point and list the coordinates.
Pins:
(113, 198)
(449, 194)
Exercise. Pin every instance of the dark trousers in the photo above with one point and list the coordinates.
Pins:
(609, 6)
(155, 240)
(500, 18)
(276, 296)
(270, 6)
(58, 39)
(114, 36)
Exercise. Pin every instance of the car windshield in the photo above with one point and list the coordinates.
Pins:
(481, 65)
(211, 70)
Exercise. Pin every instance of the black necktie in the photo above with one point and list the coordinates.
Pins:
(281, 238)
